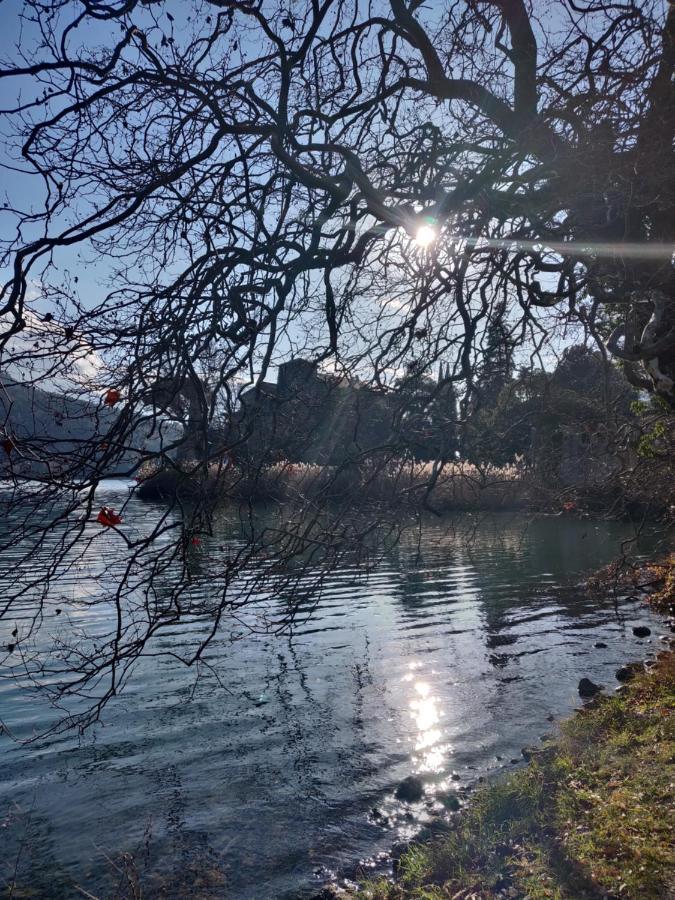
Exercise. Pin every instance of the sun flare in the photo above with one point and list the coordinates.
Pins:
(426, 235)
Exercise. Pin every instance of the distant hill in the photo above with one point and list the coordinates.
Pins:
(64, 431)
(52, 416)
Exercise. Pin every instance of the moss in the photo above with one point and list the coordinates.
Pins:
(592, 816)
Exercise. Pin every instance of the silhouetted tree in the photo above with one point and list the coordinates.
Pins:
(495, 369)
(548, 419)
(426, 414)
(359, 184)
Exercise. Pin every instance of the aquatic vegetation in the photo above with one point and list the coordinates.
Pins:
(401, 482)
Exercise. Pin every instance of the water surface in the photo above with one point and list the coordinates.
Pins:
(448, 658)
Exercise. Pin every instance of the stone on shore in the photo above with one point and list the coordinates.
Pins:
(588, 688)
(629, 671)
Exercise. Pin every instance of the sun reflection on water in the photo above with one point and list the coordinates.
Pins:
(425, 711)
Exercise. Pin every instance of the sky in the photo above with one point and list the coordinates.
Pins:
(19, 186)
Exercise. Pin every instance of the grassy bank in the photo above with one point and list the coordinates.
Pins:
(591, 816)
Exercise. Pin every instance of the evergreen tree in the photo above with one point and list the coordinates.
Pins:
(426, 414)
(496, 368)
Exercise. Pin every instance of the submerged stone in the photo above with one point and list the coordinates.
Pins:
(451, 802)
(330, 892)
(378, 816)
(641, 631)
(410, 790)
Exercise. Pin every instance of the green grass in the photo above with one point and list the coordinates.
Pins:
(592, 815)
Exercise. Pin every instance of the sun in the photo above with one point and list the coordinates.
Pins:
(426, 235)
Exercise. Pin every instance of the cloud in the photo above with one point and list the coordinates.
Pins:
(41, 354)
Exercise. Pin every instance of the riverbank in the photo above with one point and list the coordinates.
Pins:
(396, 483)
(591, 816)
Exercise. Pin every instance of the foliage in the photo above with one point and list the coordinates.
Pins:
(536, 415)
(426, 416)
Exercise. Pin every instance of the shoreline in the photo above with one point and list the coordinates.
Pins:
(402, 486)
(591, 815)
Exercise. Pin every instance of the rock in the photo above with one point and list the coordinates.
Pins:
(629, 671)
(451, 802)
(330, 892)
(455, 776)
(599, 645)
(437, 826)
(588, 688)
(428, 832)
(641, 631)
(501, 882)
(410, 790)
(537, 753)
(515, 762)
(397, 853)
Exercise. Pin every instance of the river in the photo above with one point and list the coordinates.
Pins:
(446, 660)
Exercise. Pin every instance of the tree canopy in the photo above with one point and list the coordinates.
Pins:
(257, 178)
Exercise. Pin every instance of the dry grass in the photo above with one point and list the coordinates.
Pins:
(654, 579)
(455, 486)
